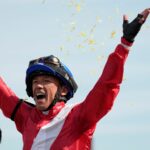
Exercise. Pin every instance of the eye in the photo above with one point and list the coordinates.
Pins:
(34, 81)
(47, 80)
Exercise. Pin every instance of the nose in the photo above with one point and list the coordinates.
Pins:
(39, 85)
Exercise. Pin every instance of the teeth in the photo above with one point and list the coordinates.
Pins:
(40, 95)
(37, 94)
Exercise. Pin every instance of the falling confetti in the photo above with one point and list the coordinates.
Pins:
(83, 34)
(83, 39)
(78, 7)
(91, 41)
(113, 33)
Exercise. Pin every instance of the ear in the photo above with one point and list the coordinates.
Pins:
(64, 90)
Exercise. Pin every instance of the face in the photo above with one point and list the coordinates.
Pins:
(44, 88)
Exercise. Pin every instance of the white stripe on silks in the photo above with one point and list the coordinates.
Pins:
(48, 133)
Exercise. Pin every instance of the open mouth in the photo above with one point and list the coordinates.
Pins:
(40, 96)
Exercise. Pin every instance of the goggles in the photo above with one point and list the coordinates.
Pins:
(49, 60)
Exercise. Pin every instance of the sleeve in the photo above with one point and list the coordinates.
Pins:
(8, 103)
(101, 98)
(8, 100)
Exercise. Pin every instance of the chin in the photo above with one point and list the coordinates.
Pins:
(42, 108)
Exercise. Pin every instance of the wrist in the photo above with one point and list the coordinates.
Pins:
(128, 38)
(126, 44)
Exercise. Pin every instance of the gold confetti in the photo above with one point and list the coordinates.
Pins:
(83, 34)
(113, 33)
(78, 7)
(91, 41)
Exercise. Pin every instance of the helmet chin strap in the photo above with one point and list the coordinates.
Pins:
(57, 98)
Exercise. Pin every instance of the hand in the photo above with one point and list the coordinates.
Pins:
(130, 30)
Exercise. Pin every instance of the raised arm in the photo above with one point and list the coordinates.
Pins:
(8, 99)
(101, 98)
(9, 103)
